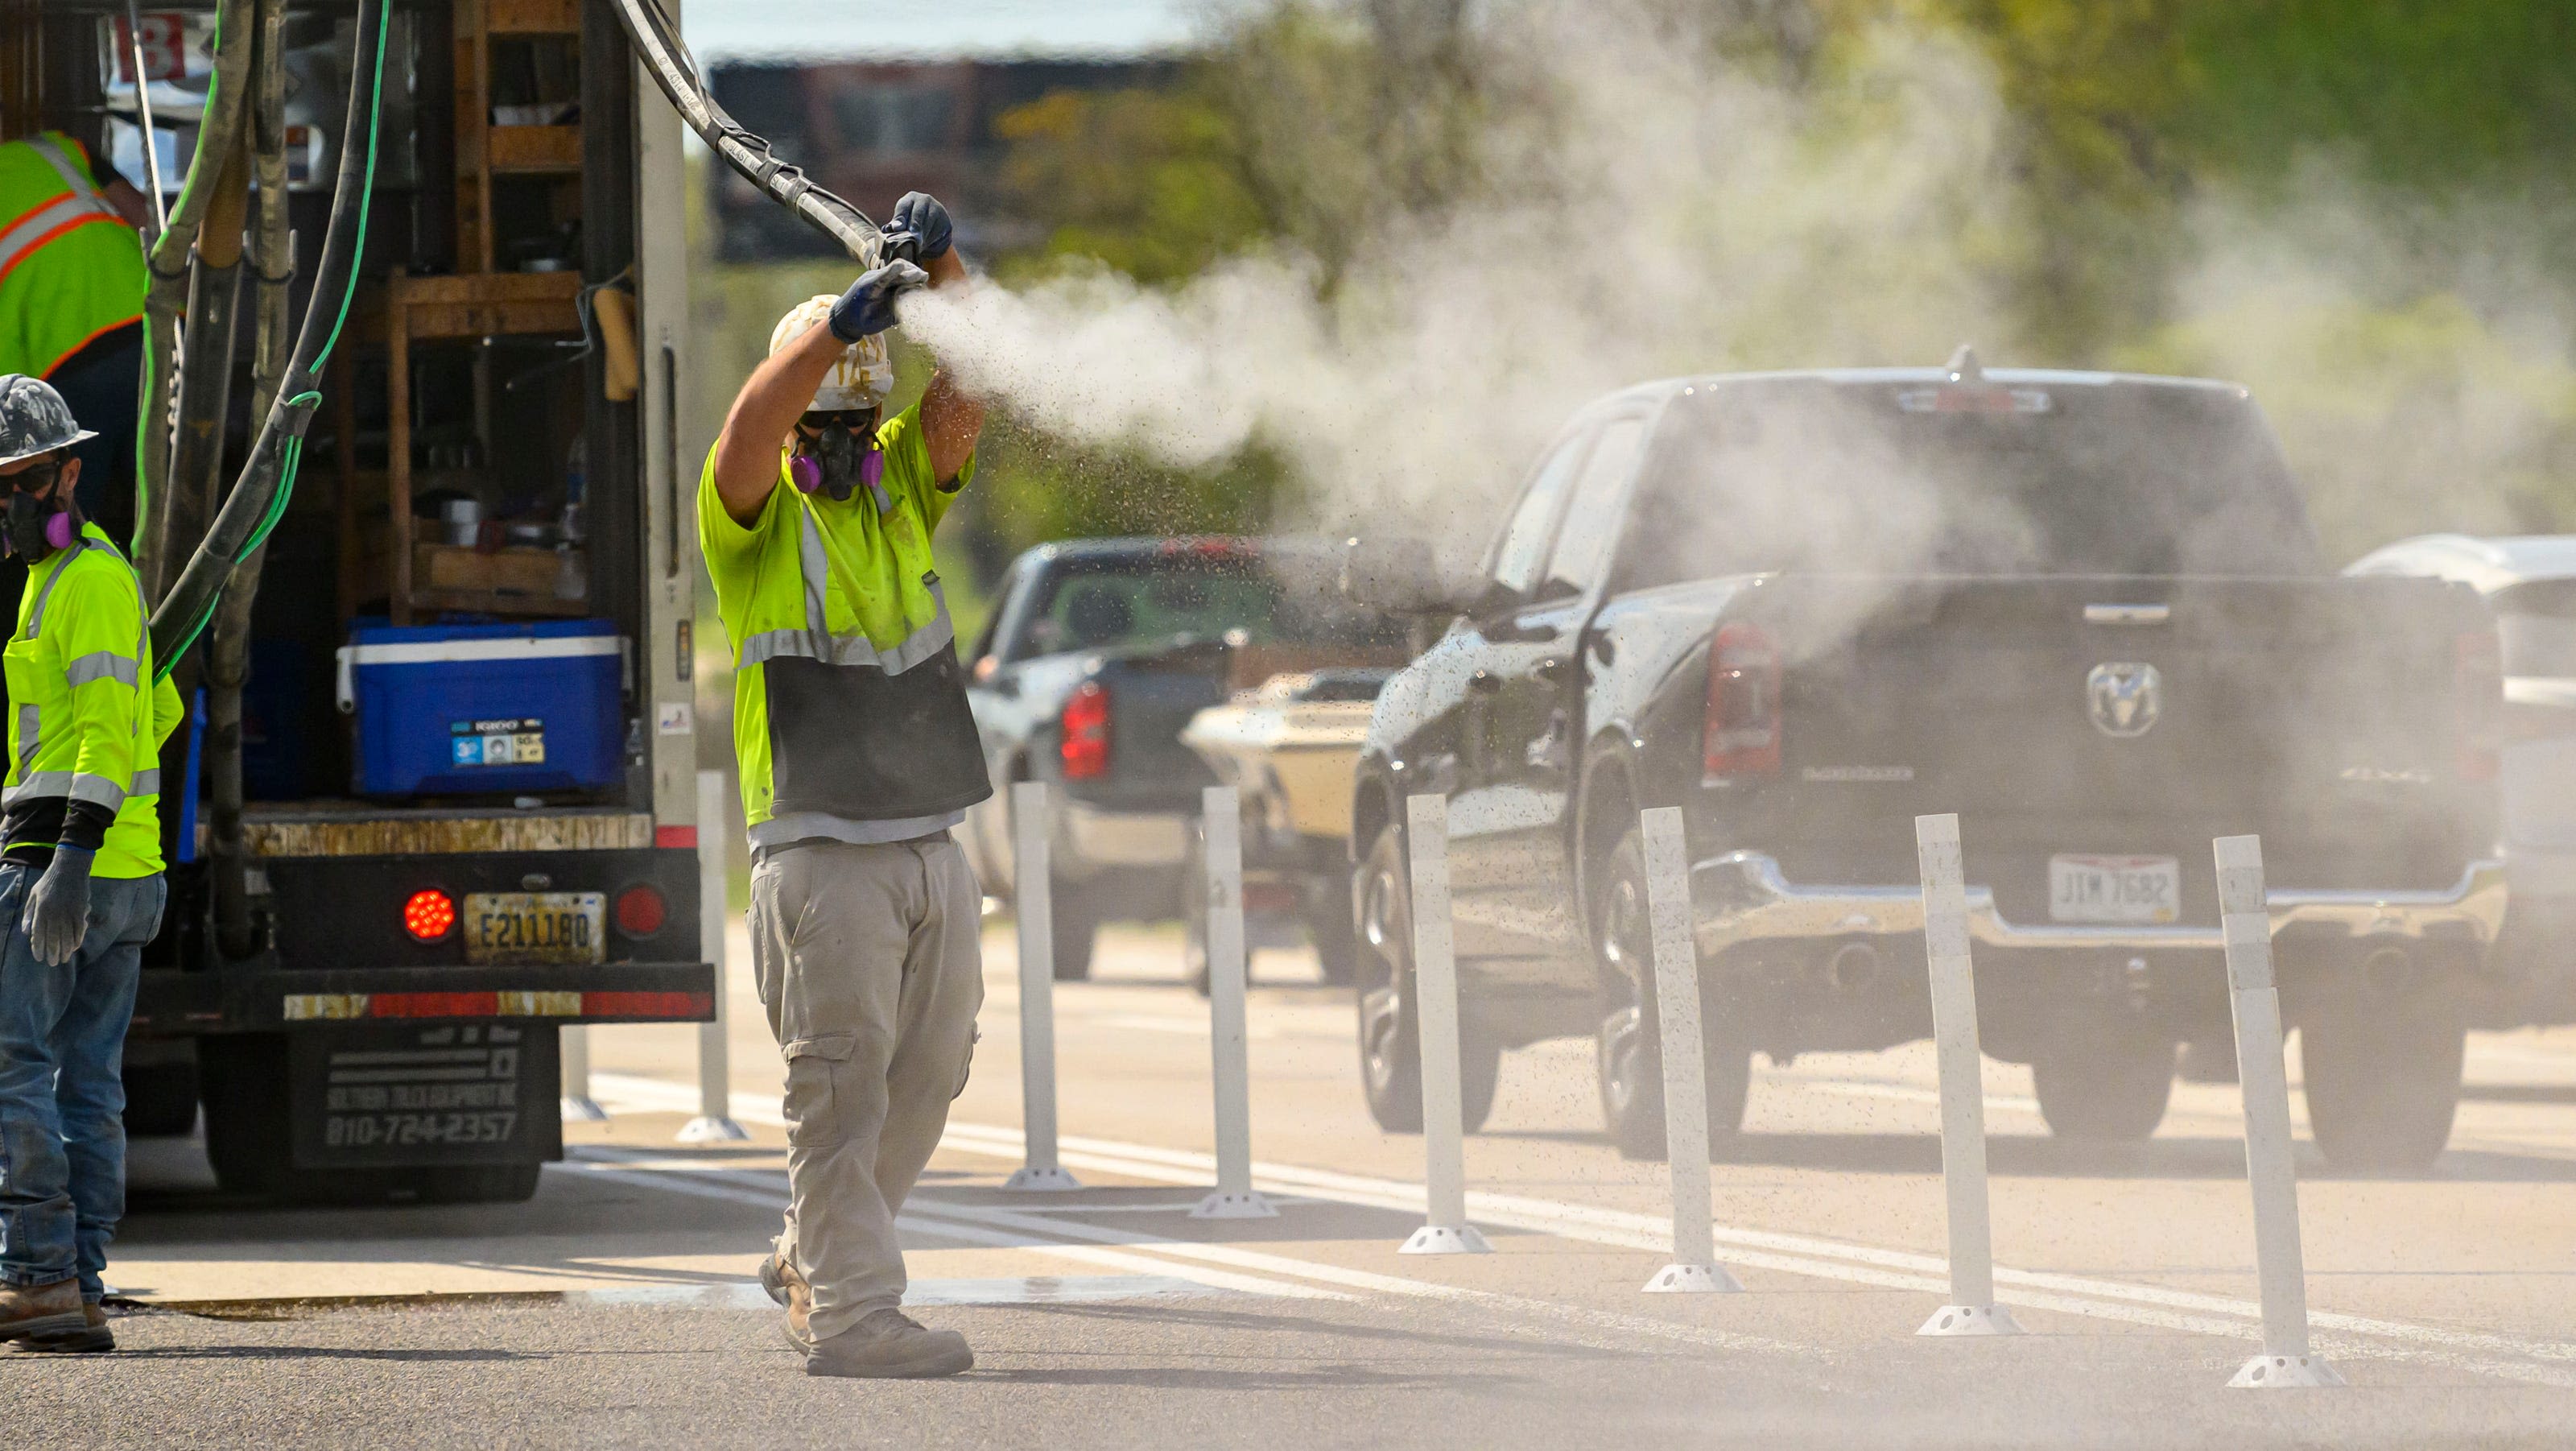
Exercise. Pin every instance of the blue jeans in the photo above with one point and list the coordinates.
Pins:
(62, 1081)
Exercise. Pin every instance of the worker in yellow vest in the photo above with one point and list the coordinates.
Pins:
(72, 280)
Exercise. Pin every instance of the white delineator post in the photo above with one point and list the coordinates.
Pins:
(2246, 920)
(1222, 812)
(573, 1046)
(1445, 1230)
(1972, 1309)
(1694, 1268)
(714, 1123)
(1033, 898)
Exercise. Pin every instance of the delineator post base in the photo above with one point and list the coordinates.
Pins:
(583, 1111)
(1441, 1239)
(1970, 1320)
(1681, 1279)
(704, 1130)
(2286, 1372)
(1041, 1181)
(1247, 1205)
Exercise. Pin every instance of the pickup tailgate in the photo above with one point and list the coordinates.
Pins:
(2106, 717)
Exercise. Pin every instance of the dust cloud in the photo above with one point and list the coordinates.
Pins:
(1666, 212)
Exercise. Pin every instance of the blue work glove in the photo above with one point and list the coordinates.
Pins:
(58, 909)
(919, 229)
(868, 307)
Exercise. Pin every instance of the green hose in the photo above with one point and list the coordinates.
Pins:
(261, 493)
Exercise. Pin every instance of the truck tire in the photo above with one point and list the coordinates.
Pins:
(2108, 1088)
(1327, 917)
(1628, 1057)
(478, 1183)
(242, 1078)
(1390, 1031)
(1075, 928)
(160, 1100)
(2382, 1087)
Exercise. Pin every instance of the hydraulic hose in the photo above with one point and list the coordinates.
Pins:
(676, 72)
(267, 481)
(167, 295)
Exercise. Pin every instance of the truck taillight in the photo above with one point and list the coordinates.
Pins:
(1085, 747)
(641, 910)
(2477, 673)
(429, 914)
(1741, 732)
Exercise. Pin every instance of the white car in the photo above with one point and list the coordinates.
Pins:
(2529, 581)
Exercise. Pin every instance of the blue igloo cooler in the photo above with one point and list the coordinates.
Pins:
(458, 709)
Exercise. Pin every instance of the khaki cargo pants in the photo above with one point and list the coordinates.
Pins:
(871, 967)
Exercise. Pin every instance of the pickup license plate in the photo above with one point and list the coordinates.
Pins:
(536, 927)
(2114, 888)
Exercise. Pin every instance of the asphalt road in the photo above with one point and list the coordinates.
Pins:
(615, 1309)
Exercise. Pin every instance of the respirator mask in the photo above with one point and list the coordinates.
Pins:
(37, 525)
(836, 452)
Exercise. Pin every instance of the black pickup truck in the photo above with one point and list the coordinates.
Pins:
(2084, 611)
(1097, 654)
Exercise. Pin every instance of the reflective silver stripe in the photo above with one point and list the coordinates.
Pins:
(855, 650)
(43, 783)
(885, 501)
(147, 782)
(815, 568)
(30, 731)
(22, 238)
(99, 665)
(36, 616)
(86, 787)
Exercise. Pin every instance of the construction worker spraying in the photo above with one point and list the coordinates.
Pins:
(858, 754)
(80, 879)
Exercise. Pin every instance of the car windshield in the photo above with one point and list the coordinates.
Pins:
(1914, 478)
(1194, 593)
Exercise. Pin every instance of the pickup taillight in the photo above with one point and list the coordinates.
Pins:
(2477, 674)
(1084, 747)
(1741, 732)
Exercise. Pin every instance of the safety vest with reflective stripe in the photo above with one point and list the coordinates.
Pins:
(86, 719)
(70, 267)
(848, 698)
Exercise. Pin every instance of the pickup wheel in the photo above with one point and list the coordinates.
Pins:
(1628, 1049)
(1328, 917)
(1390, 1030)
(2382, 1086)
(2107, 1088)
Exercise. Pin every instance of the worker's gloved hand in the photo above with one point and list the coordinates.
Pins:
(919, 229)
(868, 307)
(58, 909)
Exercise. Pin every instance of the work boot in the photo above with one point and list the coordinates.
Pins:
(93, 1338)
(889, 1344)
(788, 1287)
(42, 1312)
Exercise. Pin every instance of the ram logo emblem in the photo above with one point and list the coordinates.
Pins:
(2125, 697)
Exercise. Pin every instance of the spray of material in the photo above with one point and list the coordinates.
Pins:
(1663, 211)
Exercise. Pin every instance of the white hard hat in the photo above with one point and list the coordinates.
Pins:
(861, 379)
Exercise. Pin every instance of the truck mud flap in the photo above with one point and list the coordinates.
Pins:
(405, 1095)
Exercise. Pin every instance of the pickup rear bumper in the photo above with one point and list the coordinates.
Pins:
(1742, 897)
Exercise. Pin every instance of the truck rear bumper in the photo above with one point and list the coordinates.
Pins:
(1743, 897)
(270, 999)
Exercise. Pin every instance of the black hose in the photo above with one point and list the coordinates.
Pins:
(267, 479)
(676, 71)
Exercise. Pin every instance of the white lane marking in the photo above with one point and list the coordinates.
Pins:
(995, 1290)
(1794, 1254)
(757, 1189)
(1893, 1092)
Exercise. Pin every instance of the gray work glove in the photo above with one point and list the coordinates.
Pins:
(58, 909)
(868, 307)
(919, 229)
